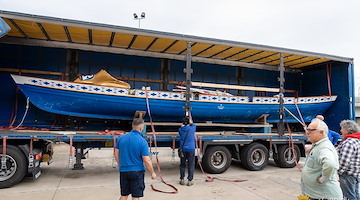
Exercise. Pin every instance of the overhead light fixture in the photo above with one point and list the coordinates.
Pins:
(142, 16)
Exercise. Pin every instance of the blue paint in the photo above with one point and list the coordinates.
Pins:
(351, 91)
(106, 106)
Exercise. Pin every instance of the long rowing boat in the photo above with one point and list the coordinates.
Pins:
(106, 101)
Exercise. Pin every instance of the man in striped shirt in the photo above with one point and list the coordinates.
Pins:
(349, 160)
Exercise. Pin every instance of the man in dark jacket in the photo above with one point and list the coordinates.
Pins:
(349, 160)
(187, 145)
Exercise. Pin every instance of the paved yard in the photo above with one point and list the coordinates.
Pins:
(99, 181)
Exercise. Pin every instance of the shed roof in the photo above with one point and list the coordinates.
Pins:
(64, 33)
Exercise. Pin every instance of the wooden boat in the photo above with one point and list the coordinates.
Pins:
(84, 99)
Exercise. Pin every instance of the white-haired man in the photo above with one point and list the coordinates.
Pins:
(319, 174)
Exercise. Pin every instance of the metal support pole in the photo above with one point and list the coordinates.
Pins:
(188, 72)
(281, 127)
(165, 71)
(240, 79)
(72, 64)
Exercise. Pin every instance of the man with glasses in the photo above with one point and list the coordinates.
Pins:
(319, 174)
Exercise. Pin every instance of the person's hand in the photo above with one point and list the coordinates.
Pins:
(153, 176)
(318, 180)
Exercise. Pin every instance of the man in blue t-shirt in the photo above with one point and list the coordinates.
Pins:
(187, 145)
(332, 135)
(131, 152)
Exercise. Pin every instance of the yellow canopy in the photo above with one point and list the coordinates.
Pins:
(55, 32)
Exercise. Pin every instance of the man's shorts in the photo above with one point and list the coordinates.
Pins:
(132, 183)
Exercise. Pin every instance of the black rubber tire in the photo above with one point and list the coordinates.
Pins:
(216, 160)
(254, 157)
(16, 167)
(283, 160)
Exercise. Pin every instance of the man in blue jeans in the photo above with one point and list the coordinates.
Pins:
(131, 151)
(349, 160)
(187, 144)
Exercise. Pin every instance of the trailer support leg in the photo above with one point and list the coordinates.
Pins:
(3, 157)
(79, 153)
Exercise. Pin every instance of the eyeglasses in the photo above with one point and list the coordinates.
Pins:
(311, 130)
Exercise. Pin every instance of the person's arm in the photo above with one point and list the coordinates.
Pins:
(116, 155)
(116, 151)
(190, 118)
(329, 165)
(345, 153)
(146, 158)
(333, 136)
(336, 137)
(149, 167)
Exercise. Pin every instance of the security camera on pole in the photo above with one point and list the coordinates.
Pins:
(142, 16)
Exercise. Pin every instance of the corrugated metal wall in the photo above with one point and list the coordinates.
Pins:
(122, 66)
(314, 82)
(311, 82)
(26, 57)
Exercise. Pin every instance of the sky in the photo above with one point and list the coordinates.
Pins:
(322, 26)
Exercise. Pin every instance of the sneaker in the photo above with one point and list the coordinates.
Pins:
(190, 183)
(182, 182)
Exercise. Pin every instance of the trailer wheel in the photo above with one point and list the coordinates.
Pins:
(285, 157)
(216, 160)
(16, 167)
(254, 157)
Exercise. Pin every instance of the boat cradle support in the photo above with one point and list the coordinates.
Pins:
(79, 154)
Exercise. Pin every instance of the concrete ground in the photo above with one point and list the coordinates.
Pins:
(100, 181)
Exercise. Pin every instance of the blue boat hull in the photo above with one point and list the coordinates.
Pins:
(105, 106)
